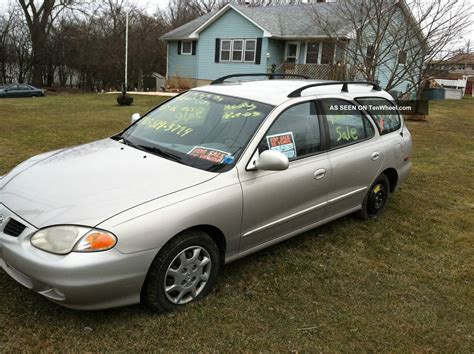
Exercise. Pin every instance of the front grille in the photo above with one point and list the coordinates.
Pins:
(14, 228)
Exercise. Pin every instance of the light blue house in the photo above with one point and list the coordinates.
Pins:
(241, 39)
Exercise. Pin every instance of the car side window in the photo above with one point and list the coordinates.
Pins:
(383, 112)
(295, 132)
(346, 124)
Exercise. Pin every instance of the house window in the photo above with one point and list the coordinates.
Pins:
(292, 49)
(187, 47)
(324, 52)
(312, 53)
(226, 46)
(370, 55)
(402, 57)
(327, 55)
(250, 50)
(238, 50)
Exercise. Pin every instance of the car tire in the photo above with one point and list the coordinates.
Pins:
(185, 270)
(376, 199)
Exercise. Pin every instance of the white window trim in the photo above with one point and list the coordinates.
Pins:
(254, 51)
(231, 55)
(298, 45)
(191, 48)
(221, 50)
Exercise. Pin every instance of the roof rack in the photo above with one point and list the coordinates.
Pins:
(345, 86)
(271, 76)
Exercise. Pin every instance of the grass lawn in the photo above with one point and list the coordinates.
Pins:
(403, 283)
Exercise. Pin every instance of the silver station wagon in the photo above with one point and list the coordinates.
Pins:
(207, 177)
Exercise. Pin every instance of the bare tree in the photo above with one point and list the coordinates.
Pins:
(394, 38)
(40, 17)
(15, 47)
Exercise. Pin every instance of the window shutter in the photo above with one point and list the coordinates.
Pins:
(258, 54)
(194, 45)
(179, 47)
(217, 52)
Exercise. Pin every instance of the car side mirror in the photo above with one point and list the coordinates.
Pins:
(271, 160)
(135, 117)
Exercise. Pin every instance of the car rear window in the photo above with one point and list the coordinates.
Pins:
(383, 112)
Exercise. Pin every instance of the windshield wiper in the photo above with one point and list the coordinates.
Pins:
(123, 140)
(157, 151)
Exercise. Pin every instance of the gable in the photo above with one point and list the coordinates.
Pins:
(232, 24)
(229, 11)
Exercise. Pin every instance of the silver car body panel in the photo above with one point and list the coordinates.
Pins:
(51, 191)
(146, 200)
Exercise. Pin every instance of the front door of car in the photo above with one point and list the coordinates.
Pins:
(355, 151)
(276, 204)
(12, 91)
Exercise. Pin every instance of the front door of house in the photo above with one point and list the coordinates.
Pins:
(292, 52)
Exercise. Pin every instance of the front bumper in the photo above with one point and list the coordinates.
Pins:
(88, 281)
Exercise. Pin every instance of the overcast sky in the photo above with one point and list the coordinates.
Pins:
(151, 7)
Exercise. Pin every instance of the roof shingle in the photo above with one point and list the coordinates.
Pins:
(283, 21)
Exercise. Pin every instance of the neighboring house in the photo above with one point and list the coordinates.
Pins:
(456, 71)
(459, 64)
(241, 39)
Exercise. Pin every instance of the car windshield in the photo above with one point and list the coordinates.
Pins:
(199, 129)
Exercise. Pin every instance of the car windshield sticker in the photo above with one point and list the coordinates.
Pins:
(209, 154)
(284, 142)
(228, 160)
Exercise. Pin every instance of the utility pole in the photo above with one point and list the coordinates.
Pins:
(126, 53)
(124, 99)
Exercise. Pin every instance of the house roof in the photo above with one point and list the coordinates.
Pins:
(283, 21)
(460, 58)
(185, 30)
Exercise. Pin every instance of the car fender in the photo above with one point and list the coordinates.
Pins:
(216, 203)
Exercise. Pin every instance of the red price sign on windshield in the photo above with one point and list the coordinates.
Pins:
(213, 155)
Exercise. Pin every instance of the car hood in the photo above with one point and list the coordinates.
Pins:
(88, 184)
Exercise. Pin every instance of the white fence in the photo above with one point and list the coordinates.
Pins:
(458, 84)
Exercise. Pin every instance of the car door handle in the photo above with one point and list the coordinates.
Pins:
(375, 155)
(319, 174)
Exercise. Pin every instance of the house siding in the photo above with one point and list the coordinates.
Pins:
(184, 66)
(276, 49)
(230, 25)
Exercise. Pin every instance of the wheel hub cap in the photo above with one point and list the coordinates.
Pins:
(187, 275)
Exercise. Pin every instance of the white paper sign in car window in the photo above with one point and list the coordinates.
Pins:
(283, 142)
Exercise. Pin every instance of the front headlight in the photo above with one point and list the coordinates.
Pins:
(65, 239)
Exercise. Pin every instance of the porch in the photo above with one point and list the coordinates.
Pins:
(322, 59)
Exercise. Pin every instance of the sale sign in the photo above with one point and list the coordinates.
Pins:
(284, 142)
(213, 155)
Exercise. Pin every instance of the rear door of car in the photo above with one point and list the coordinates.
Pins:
(279, 203)
(355, 152)
(24, 91)
(389, 124)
